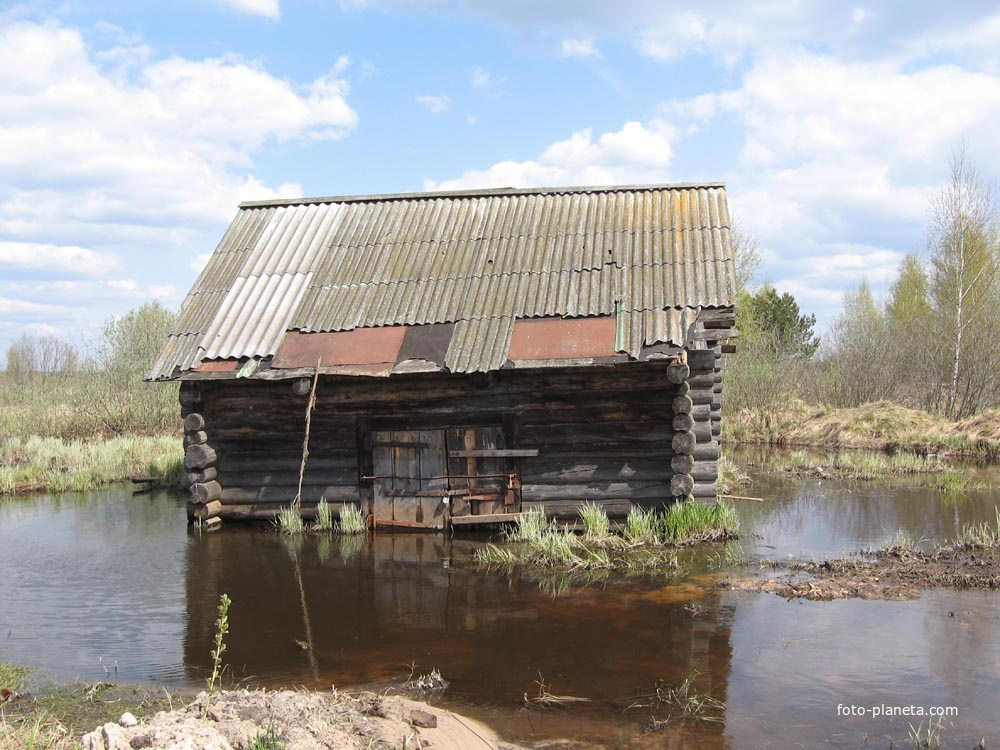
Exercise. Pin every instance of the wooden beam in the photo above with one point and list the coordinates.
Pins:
(495, 453)
(490, 518)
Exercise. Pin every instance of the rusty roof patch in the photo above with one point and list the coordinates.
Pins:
(562, 338)
(364, 346)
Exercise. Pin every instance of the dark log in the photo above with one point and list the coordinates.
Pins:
(684, 443)
(701, 412)
(682, 405)
(254, 512)
(205, 475)
(681, 485)
(198, 437)
(189, 394)
(728, 348)
(678, 373)
(495, 453)
(701, 359)
(683, 422)
(301, 386)
(702, 396)
(716, 429)
(682, 389)
(204, 492)
(199, 456)
(285, 494)
(682, 464)
(193, 422)
(705, 490)
(601, 469)
(705, 471)
(704, 379)
(706, 452)
(595, 491)
(203, 511)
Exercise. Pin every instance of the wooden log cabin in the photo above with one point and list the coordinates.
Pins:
(475, 354)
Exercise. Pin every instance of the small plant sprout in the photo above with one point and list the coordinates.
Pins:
(218, 649)
(324, 516)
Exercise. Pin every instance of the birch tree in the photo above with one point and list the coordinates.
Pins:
(963, 281)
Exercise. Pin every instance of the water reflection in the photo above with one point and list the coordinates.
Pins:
(98, 579)
(308, 614)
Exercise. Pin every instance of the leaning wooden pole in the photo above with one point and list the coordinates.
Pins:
(297, 502)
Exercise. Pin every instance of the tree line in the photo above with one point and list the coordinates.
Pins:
(52, 388)
(933, 343)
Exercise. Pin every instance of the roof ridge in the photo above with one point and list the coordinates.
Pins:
(482, 193)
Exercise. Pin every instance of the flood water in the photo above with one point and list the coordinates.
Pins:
(106, 586)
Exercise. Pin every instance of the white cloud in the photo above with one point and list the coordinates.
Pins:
(13, 306)
(436, 104)
(578, 47)
(164, 292)
(266, 8)
(839, 158)
(113, 158)
(50, 259)
(636, 153)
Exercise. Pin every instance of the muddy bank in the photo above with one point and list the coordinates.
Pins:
(297, 721)
(893, 573)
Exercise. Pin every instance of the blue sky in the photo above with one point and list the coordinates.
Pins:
(129, 132)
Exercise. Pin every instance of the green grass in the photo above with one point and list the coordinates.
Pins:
(289, 521)
(56, 716)
(267, 740)
(698, 523)
(324, 516)
(980, 535)
(865, 465)
(595, 521)
(641, 526)
(352, 520)
(644, 545)
(690, 703)
(56, 465)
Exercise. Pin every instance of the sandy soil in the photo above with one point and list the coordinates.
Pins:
(235, 720)
(894, 573)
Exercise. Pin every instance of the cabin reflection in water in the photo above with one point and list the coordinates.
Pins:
(319, 612)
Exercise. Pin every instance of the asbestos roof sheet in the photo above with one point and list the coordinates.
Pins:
(476, 259)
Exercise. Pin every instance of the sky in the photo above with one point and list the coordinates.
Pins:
(130, 131)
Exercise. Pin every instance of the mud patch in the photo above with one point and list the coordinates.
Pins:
(893, 573)
(298, 721)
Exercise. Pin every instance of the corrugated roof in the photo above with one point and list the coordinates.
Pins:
(334, 264)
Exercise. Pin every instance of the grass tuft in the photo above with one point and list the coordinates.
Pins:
(352, 520)
(324, 516)
(980, 535)
(595, 521)
(290, 522)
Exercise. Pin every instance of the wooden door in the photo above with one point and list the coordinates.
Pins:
(412, 478)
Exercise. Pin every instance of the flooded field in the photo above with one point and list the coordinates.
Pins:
(110, 586)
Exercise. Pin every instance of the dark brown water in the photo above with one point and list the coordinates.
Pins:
(109, 583)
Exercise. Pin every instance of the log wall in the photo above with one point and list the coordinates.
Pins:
(637, 434)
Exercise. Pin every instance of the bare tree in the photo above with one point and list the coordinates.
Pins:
(964, 271)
